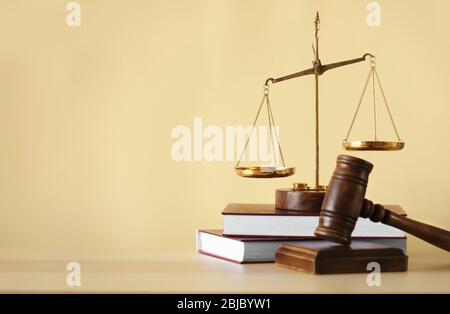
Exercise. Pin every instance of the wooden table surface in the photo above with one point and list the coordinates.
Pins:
(23, 270)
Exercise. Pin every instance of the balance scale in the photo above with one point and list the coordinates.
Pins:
(302, 197)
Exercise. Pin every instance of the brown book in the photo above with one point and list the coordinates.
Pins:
(323, 257)
(262, 249)
(266, 220)
(270, 210)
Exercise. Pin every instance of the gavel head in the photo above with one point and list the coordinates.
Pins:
(344, 199)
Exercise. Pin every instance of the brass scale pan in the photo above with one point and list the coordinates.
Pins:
(373, 145)
(264, 172)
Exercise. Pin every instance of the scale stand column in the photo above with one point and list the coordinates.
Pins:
(317, 65)
(317, 132)
(300, 197)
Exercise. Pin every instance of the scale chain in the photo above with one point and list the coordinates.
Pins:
(387, 106)
(374, 104)
(276, 133)
(253, 126)
(373, 73)
(272, 130)
(359, 104)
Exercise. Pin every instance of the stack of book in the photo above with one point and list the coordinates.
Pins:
(253, 232)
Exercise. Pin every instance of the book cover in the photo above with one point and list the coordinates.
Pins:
(266, 220)
(240, 249)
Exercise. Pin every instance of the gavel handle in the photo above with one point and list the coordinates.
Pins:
(436, 236)
(433, 235)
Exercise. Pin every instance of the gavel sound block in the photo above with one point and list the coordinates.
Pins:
(324, 257)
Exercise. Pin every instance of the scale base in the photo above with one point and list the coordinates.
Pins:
(304, 200)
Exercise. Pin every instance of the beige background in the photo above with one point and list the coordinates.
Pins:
(86, 113)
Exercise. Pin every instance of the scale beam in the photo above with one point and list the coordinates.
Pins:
(318, 69)
(347, 62)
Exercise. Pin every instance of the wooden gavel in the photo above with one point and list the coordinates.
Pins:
(344, 202)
